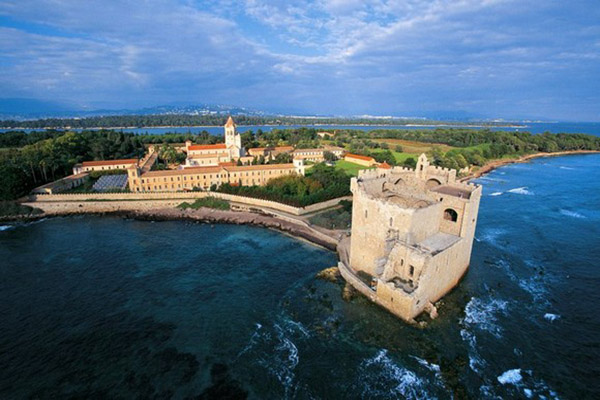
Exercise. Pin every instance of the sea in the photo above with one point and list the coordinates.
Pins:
(107, 307)
(592, 128)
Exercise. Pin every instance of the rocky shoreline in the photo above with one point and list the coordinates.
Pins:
(492, 165)
(211, 216)
(328, 240)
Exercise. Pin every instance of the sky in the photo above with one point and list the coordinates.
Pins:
(487, 58)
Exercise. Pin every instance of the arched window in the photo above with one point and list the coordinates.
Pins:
(431, 183)
(391, 221)
(450, 215)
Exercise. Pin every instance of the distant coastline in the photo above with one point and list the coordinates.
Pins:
(458, 125)
(494, 164)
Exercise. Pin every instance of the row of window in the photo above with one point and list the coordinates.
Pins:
(205, 185)
(209, 176)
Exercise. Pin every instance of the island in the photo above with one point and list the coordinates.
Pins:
(397, 206)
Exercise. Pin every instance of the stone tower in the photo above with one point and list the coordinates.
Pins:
(412, 234)
(233, 140)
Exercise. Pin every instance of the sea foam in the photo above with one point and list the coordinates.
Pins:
(496, 194)
(521, 190)
(483, 314)
(572, 214)
(512, 376)
(551, 317)
(381, 377)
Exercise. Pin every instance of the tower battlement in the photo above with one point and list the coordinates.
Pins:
(412, 232)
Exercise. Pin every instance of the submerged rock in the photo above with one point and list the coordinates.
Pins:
(349, 292)
(331, 274)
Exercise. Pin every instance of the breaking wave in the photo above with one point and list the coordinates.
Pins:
(381, 377)
(6, 227)
(551, 317)
(275, 350)
(521, 190)
(536, 287)
(524, 382)
(496, 194)
(511, 376)
(568, 168)
(483, 315)
(572, 214)
(476, 363)
(491, 235)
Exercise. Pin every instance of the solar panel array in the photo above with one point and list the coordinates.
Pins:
(110, 182)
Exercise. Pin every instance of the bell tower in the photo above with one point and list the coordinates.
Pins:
(233, 140)
(230, 132)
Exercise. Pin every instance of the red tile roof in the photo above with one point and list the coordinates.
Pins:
(359, 157)
(384, 165)
(284, 148)
(208, 146)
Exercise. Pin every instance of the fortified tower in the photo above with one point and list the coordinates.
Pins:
(412, 235)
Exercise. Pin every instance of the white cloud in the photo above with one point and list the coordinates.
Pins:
(345, 55)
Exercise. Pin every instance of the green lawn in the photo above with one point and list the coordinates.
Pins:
(400, 157)
(349, 168)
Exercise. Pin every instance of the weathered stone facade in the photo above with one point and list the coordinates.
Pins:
(412, 234)
(215, 154)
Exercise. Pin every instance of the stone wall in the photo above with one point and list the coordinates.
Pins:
(179, 197)
(84, 207)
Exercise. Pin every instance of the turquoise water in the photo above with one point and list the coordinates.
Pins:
(102, 307)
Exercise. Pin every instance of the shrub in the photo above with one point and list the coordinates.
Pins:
(207, 202)
(13, 209)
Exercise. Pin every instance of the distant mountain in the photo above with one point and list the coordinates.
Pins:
(19, 109)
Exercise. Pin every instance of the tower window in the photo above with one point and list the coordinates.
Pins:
(450, 215)
(366, 214)
(391, 221)
(411, 270)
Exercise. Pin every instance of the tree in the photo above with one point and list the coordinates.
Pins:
(329, 156)
(282, 158)
(410, 162)
(398, 148)
(384, 156)
(167, 153)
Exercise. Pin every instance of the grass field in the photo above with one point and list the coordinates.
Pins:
(400, 157)
(409, 146)
(349, 168)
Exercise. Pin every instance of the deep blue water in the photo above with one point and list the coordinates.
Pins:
(592, 128)
(101, 307)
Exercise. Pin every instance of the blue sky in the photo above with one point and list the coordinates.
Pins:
(494, 58)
